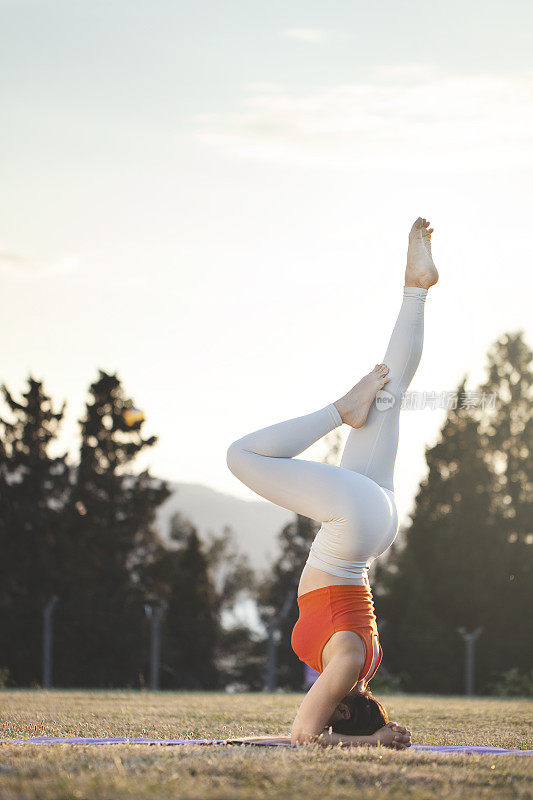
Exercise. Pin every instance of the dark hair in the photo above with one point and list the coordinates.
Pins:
(367, 715)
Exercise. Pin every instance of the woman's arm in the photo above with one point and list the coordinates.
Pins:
(391, 735)
(324, 738)
(323, 697)
(328, 738)
(320, 702)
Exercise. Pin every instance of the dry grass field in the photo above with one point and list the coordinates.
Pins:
(76, 772)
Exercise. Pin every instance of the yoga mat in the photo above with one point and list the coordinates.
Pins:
(432, 748)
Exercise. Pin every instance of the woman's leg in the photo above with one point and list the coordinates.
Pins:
(371, 449)
(263, 461)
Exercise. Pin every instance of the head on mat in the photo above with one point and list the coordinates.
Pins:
(359, 714)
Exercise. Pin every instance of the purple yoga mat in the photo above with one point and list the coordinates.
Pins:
(432, 748)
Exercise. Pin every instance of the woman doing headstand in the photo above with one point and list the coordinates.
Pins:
(336, 632)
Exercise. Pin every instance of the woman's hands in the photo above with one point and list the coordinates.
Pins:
(393, 735)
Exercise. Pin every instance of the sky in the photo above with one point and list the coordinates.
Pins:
(212, 199)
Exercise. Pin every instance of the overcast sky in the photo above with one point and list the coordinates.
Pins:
(212, 199)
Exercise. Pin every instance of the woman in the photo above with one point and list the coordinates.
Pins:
(336, 632)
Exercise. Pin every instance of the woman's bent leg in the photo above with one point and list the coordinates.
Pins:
(263, 461)
(371, 449)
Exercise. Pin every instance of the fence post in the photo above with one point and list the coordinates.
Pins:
(48, 610)
(469, 640)
(155, 642)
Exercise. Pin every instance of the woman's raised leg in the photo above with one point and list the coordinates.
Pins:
(371, 449)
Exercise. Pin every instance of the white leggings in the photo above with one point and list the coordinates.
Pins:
(355, 500)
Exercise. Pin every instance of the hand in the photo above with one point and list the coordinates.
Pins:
(393, 735)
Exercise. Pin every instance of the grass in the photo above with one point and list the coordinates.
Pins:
(119, 771)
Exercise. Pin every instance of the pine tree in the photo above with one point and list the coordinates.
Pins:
(34, 488)
(506, 429)
(467, 556)
(180, 577)
(110, 514)
(239, 656)
(437, 583)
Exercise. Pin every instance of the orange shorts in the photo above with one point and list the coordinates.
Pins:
(328, 610)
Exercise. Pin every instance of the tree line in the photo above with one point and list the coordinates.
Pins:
(84, 532)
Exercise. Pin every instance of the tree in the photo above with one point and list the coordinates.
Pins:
(469, 534)
(34, 488)
(199, 582)
(506, 429)
(110, 515)
(239, 655)
(180, 577)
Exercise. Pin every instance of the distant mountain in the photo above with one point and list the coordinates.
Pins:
(255, 523)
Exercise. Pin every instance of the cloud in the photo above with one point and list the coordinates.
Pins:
(309, 35)
(262, 86)
(27, 268)
(407, 114)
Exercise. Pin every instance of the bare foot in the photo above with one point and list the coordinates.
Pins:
(420, 270)
(355, 404)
